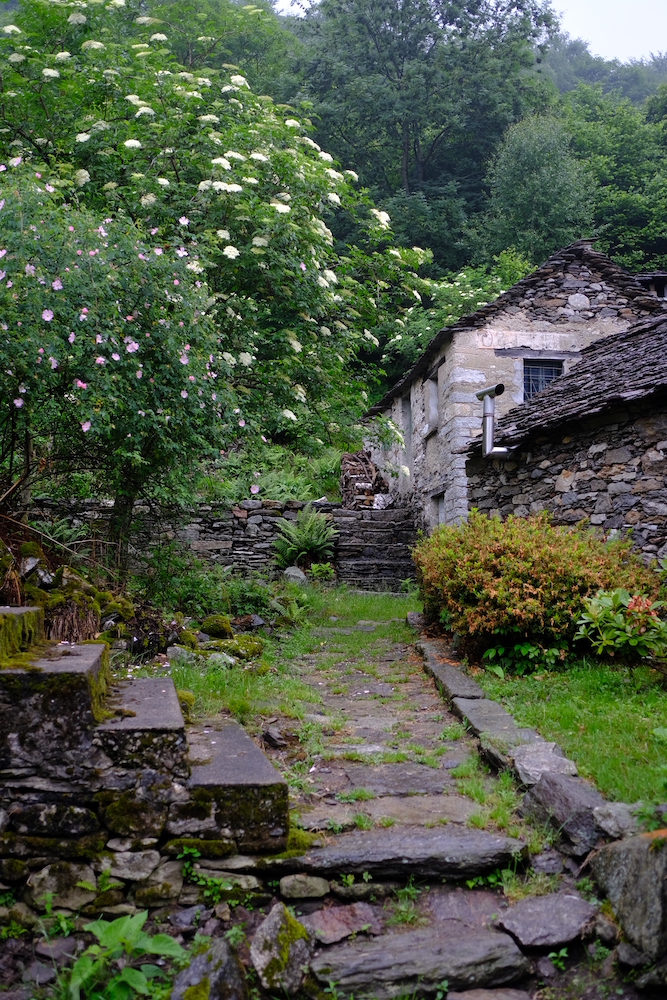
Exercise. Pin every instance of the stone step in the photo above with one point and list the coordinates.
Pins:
(48, 709)
(20, 628)
(418, 961)
(430, 853)
(236, 795)
(146, 728)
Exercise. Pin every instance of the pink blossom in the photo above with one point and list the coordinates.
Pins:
(130, 319)
(2, 167)
(100, 361)
(30, 269)
(183, 359)
(54, 364)
(184, 394)
(237, 410)
(184, 220)
(41, 350)
(241, 423)
(132, 347)
(38, 176)
(71, 229)
(302, 266)
(191, 378)
(47, 315)
(2, 274)
(175, 281)
(116, 357)
(101, 230)
(79, 252)
(213, 396)
(139, 374)
(153, 231)
(49, 188)
(9, 284)
(98, 339)
(18, 403)
(263, 439)
(2, 253)
(57, 285)
(254, 488)
(179, 253)
(157, 251)
(85, 426)
(80, 384)
(82, 317)
(72, 337)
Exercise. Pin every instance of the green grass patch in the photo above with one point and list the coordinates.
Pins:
(603, 718)
(356, 795)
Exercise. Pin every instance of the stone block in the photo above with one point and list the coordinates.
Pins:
(548, 921)
(59, 881)
(451, 680)
(633, 875)
(214, 974)
(147, 728)
(280, 951)
(567, 803)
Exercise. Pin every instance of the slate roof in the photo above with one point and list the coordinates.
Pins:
(620, 369)
(579, 252)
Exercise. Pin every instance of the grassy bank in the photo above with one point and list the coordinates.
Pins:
(602, 717)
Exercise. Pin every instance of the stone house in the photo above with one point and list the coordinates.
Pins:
(529, 336)
(592, 446)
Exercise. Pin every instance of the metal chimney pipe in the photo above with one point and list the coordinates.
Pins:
(488, 396)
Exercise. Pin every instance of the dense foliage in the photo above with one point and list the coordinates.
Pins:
(309, 538)
(623, 626)
(520, 580)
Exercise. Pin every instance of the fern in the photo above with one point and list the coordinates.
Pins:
(308, 539)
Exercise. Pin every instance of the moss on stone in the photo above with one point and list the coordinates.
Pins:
(99, 683)
(186, 700)
(31, 550)
(218, 626)
(127, 815)
(210, 849)
(13, 870)
(35, 595)
(245, 647)
(188, 639)
(289, 933)
(200, 991)
(86, 848)
(18, 632)
(119, 606)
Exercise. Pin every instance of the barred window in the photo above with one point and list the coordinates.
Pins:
(538, 374)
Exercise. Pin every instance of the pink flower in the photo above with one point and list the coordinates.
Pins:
(38, 176)
(40, 350)
(9, 284)
(132, 347)
(71, 337)
(213, 396)
(187, 346)
(82, 317)
(100, 361)
(139, 374)
(184, 220)
(71, 229)
(80, 384)
(184, 394)
(129, 319)
(18, 403)
(2, 253)
(47, 315)
(85, 426)
(254, 488)
(241, 423)
(49, 188)
(30, 269)
(54, 364)
(85, 309)
(302, 266)
(191, 378)
(2, 274)
(263, 439)
(237, 410)
(57, 285)
(175, 281)
(179, 253)
(157, 251)
(116, 357)
(98, 339)
(153, 232)
(183, 359)
(2, 167)
(78, 253)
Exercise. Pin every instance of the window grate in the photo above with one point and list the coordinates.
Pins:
(537, 375)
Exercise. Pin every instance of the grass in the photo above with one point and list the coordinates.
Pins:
(602, 717)
(356, 795)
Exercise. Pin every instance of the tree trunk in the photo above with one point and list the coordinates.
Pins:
(120, 527)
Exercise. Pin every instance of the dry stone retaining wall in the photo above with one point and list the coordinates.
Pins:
(372, 550)
(610, 471)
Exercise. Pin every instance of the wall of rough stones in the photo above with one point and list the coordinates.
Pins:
(610, 471)
(372, 551)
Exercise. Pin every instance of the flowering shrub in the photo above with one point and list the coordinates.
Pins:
(499, 583)
(232, 182)
(623, 626)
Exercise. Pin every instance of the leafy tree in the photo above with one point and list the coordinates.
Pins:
(569, 62)
(541, 196)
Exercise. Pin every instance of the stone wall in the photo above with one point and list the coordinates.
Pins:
(610, 471)
(372, 551)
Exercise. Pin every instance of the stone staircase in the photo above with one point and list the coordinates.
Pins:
(373, 547)
(84, 760)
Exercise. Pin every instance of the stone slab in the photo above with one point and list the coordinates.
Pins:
(145, 703)
(410, 810)
(400, 779)
(567, 804)
(488, 717)
(400, 965)
(334, 924)
(451, 681)
(502, 994)
(532, 760)
(548, 921)
(241, 795)
(476, 908)
(446, 852)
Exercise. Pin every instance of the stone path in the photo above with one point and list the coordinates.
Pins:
(386, 779)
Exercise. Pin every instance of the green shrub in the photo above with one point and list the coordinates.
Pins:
(308, 539)
(628, 628)
(521, 580)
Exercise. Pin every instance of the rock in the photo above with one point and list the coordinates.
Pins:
(502, 994)
(632, 874)
(59, 881)
(605, 931)
(398, 965)
(39, 973)
(549, 862)
(579, 301)
(440, 851)
(654, 977)
(532, 760)
(133, 865)
(338, 922)
(616, 819)
(280, 951)
(190, 919)
(303, 887)
(222, 911)
(547, 921)
(545, 968)
(473, 908)
(567, 804)
(218, 626)
(166, 882)
(631, 958)
(216, 974)
(58, 950)
(294, 575)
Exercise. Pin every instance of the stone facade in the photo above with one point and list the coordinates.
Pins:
(610, 471)
(576, 298)
(372, 550)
